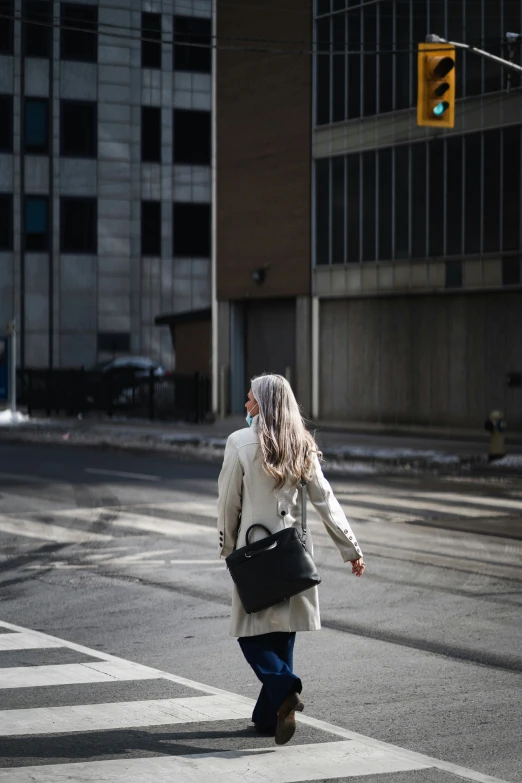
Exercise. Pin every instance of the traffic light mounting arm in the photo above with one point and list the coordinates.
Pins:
(435, 39)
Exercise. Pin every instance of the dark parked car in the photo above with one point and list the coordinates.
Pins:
(120, 381)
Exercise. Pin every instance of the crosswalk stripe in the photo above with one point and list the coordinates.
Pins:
(25, 641)
(280, 765)
(450, 497)
(126, 519)
(31, 528)
(72, 674)
(414, 504)
(315, 757)
(120, 715)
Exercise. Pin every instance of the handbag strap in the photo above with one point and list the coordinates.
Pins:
(303, 512)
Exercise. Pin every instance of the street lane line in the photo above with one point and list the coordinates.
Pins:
(25, 641)
(277, 765)
(346, 734)
(407, 504)
(121, 715)
(29, 528)
(122, 474)
(72, 673)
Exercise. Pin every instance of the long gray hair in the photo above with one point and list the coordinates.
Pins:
(287, 447)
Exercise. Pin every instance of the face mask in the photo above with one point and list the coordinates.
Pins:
(249, 419)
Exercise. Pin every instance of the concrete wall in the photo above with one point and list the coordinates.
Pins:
(429, 360)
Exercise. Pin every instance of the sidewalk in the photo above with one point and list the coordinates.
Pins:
(356, 447)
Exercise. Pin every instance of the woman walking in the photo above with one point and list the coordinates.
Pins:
(260, 483)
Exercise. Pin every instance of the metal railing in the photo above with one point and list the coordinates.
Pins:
(123, 392)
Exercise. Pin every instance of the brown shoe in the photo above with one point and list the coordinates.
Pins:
(285, 728)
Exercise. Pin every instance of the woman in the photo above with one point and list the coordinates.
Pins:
(260, 482)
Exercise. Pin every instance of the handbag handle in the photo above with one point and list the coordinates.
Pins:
(252, 527)
(303, 512)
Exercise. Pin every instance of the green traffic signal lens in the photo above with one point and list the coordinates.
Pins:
(441, 108)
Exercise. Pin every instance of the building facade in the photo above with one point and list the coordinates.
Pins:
(417, 232)
(105, 175)
(413, 309)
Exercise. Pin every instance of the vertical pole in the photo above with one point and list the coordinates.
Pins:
(152, 383)
(12, 368)
(216, 402)
(315, 357)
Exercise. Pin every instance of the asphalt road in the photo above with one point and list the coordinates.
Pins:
(115, 555)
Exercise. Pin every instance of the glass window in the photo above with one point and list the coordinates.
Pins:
(385, 204)
(513, 23)
(454, 156)
(322, 206)
(151, 51)
(36, 125)
(436, 197)
(338, 211)
(6, 123)
(418, 200)
(353, 207)
(354, 65)
(473, 65)
(473, 188)
(323, 72)
(511, 185)
(494, 76)
(453, 274)
(80, 43)
(151, 134)
(151, 228)
(192, 44)
(39, 35)
(339, 68)
(401, 202)
(78, 225)
(405, 63)
(511, 271)
(6, 26)
(369, 252)
(323, 7)
(492, 191)
(36, 223)
(6, 222)
(419, 32)
(192, 230)
(192, 137)
(385, 61)
(78, 129)
(369, 60)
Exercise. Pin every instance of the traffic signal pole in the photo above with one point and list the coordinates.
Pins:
(510, 37)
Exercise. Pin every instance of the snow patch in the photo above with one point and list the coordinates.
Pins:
(7, 418)
(513, 461)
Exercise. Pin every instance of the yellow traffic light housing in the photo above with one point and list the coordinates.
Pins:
(436, 98)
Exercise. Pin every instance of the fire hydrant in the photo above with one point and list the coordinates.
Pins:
(496, 426)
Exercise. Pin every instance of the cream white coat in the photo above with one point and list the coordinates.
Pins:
(247, 495)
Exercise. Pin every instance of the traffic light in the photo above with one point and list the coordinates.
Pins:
(436, 98)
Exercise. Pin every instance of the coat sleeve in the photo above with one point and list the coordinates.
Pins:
(230, 484)
(332, 515)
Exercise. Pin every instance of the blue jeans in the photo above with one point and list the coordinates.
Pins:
(271, 656)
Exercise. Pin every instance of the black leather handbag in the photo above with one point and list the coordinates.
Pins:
(274, 568)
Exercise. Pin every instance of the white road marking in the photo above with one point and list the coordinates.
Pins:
(23, 477)
(413, 504)
(26, 640)
(121, 715)
(116, 518)
(123, 474)
(68, 772)
(453, 497)
(278, 765)
(30, 528)
(72, 673)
